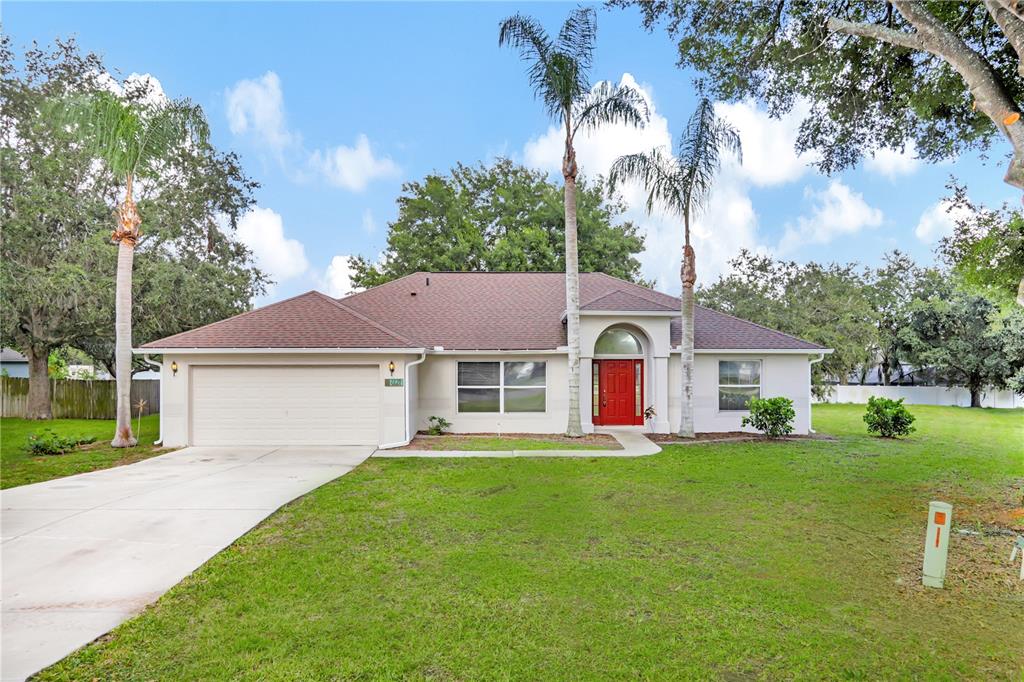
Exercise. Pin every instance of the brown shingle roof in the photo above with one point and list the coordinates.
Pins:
(312, 320)
(463, 311)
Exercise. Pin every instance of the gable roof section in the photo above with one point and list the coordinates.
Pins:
(464, 311)
(311, 320)
(624, 300)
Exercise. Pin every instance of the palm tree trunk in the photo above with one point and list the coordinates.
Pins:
(125, 236)
(38, 383)
(574, 428)
(688, 274)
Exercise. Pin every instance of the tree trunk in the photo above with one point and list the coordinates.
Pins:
(975, 397)
(688, 274)
(574, 428)
(38, 383)
(126, 236)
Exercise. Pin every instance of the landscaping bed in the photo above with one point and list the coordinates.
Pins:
(511, 441)
(19, 467)
(727, 436)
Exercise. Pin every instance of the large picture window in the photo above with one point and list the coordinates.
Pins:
(502, 386)
(738, 382)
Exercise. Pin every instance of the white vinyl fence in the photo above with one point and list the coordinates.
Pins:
(922, 395)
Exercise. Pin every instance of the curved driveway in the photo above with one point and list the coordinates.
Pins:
(84, 553)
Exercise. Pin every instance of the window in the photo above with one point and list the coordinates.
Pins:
(502, 386)
(738, 382)
(617, 342)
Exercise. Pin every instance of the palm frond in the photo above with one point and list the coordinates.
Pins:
(700, 151)
(609, 103)
(659, 174)
(525, 34)
(576, 39)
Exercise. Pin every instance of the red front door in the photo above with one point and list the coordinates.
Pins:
(617, 392)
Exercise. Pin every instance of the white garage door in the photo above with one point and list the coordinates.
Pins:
(284, 405)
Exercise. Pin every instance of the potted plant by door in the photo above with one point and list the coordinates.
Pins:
(649, 415)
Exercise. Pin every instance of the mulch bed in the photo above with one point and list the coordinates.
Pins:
(424, 441)
(725, 437)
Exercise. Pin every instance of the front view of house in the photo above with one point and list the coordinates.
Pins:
(486, 351)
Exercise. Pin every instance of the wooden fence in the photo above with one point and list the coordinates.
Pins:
(75, 399)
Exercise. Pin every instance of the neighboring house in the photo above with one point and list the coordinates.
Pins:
(13, 363)
(486, 351)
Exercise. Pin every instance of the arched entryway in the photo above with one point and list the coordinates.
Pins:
(618, 378)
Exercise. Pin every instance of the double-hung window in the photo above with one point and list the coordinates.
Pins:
(502, 386)
(738, 382)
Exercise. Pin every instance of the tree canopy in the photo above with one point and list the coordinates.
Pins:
(944, 75)
(56, 261)
(501, 217)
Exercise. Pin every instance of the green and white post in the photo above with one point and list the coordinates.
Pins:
(936, 543)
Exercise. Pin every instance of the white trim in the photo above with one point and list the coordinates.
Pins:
(757, 351)
(276, 351)
(546, 351)
(160, 368)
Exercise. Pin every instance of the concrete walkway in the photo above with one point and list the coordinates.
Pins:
(84, 553)
(634, 444)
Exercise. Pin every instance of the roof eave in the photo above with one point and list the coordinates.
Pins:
(274, 350)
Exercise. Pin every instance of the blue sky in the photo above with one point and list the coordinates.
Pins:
(333, 106)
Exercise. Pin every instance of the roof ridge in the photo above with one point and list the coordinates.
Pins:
(364, 318)
(235, 317)
(769, 329)
(353, 294)
(647, 290)
(627, 293)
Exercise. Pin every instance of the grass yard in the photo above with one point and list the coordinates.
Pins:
(18, 467)
(733, 561)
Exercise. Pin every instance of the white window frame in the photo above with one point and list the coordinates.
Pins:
(760, 382)
(501, 386)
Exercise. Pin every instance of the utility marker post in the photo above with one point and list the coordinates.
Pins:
(936, 543)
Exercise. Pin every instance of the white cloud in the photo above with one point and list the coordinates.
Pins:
(369, 224)
(728, 224)
(837, 210)
(353, 168)
(769, 144)
(892, 163)
(256, 107)
(338, 280)
(939, 220)
(262, 230)
(147, 84)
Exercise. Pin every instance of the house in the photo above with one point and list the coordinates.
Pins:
(486, 351)
(13, 363)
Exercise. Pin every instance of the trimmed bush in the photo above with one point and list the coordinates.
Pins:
(888, 418)
(771, 416)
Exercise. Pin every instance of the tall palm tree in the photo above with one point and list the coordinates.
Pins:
(133, 140)
(559, 71)
(681, 184)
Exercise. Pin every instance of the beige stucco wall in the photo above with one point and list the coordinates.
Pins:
(437, 388)
(781, 375)
(175, 400)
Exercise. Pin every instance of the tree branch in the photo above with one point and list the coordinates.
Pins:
(1012, 26)
(934, 37)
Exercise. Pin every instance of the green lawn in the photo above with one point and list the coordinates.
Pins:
(733, 561)
(18, 467)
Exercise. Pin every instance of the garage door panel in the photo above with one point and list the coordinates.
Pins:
(321, 405)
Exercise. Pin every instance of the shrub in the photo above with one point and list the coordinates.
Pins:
(771, 416)
(888, 418)
(49, 443)
(438, 425)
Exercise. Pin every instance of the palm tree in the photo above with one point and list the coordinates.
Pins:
(133, 140)
(681, 184)
(559, 71)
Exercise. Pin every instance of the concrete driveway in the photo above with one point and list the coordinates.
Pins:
(82, 554)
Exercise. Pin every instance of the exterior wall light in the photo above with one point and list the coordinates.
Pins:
(391, 366)
(174, 368)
